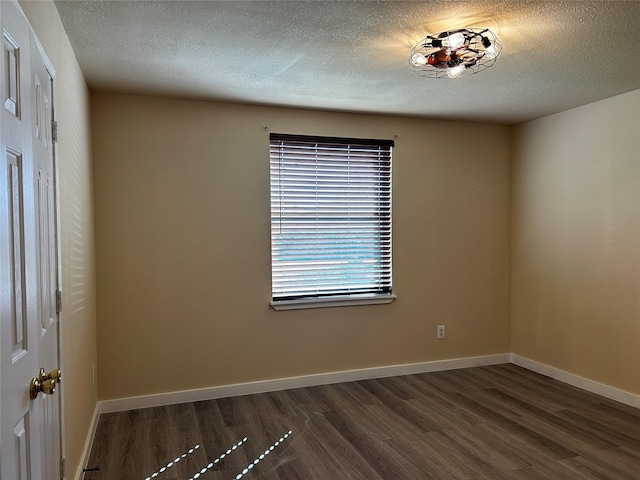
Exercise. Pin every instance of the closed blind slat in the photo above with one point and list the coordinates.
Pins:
(330, 216)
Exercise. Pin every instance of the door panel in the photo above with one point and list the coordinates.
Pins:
(21, 437)
(15, 218)
(11, 90)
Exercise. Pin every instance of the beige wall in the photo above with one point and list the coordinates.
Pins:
(181, 200)
(76, 236)
(183, 247)
(576, 241)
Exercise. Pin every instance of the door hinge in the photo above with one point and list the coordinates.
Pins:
(58, 301)
(63, 465)
(54, 131)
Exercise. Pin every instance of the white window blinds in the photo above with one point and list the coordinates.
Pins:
(330, 216)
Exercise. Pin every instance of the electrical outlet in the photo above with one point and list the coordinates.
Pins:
(440, 332)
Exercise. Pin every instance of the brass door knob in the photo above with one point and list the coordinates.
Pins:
(45, 383)
(52, 375)
(34, 388)
(48, 387)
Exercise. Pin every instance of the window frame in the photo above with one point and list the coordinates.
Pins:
(380, 295)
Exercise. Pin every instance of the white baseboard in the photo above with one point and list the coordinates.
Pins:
(578, 381)
(234, 390)
(160, 399)
(88, 443)
(131, 403)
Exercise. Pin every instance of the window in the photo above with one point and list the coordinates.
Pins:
(330, 221)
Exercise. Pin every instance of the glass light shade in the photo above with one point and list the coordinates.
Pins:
(454, 41)
(454, 72)
(418, 59)
(491, 51)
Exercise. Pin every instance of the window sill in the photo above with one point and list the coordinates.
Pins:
(337, 301)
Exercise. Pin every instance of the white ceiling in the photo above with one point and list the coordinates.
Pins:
(353, 55)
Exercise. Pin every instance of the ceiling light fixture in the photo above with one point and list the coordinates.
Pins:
(455, 53)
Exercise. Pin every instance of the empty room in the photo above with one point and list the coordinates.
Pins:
(320, 240)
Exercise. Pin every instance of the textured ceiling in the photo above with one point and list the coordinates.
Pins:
(352, 55)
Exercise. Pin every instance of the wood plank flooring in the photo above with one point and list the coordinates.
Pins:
(490, 423)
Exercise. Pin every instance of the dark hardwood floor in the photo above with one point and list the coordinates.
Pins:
(493, 423)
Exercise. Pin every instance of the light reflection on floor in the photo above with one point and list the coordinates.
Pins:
(214, 462)
(172, 463)
(261, 456)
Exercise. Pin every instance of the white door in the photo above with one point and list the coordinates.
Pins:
(29, 427)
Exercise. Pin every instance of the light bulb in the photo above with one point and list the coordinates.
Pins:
(490, 51)
(453, 72)
(418, 59)
(456, 40)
